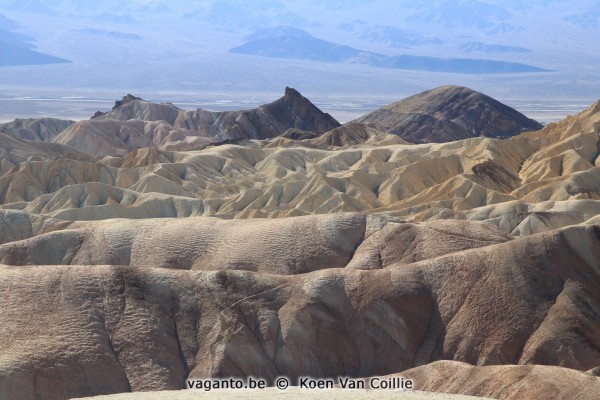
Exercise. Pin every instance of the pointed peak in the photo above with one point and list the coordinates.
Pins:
(126, 99)
(291, 92)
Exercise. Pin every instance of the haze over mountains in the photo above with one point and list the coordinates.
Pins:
(421, 200)
(287, 42)
(18, 49)
(179, 51)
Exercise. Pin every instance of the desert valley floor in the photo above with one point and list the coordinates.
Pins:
(446, 238)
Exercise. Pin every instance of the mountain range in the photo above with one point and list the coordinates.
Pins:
(445, 114)
(155, 245)
(17, 48)
(288, 42)
(119, 47)
(210, 224)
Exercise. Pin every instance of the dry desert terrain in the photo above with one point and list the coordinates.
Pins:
(446, 238)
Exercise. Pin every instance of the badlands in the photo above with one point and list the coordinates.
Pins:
(445, 238)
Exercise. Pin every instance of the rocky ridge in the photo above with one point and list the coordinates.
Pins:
(134, 123)
(352, 317)
(522, 185)
(471, 266)
(449, 113)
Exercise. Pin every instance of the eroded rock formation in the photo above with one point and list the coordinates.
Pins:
(136, 253)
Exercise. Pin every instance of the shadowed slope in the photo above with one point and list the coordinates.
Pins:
(449, 113)
(332, 322)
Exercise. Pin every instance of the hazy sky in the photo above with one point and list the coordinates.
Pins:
(179, 50)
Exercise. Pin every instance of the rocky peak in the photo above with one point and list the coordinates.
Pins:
(449, 113)
(291, 92)
(126, 99)
(296, 111)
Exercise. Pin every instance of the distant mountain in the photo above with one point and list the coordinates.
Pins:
(110, 34)
(30, 6)
(449, 113)
(503, 28)
(462, 14)
(590, 19)
(479, 47)
(150, 8)
(287, 42)
(18, 49)
(21, 54)
(337, 5)
(115, 18)
(10, 37)
(396, 37)
(232, 15)
(457, 65)
(7, 23)
(389, 35)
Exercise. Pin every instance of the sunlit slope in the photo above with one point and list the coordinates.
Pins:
(524, 184)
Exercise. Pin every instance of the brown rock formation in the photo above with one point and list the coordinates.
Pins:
(481, 251)
(525, 382)
(135, 123)
(523, 185)
(330, 322)
(36, 129)
(449, 113)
